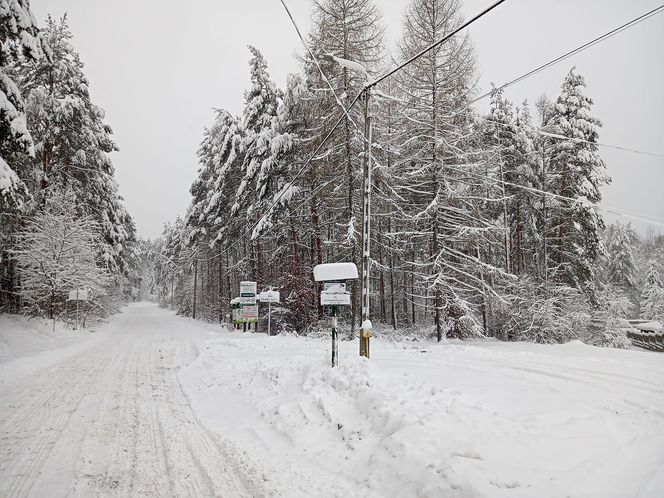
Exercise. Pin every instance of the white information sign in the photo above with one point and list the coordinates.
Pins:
(249, 312)
(269, 297)
(247, 292)
(334, 286)
(328, 298)
(78, 295)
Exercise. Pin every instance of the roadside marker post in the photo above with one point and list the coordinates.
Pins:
(77, 295)
(334, 277)
(269, 297)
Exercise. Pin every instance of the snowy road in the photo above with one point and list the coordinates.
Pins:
(156, 405)
(112, 419)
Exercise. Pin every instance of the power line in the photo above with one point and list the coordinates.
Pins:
(575, 51)
(320, 70)
(579, 140)
(433, 45)
(415, 57)
(608, 209)
(301, 171)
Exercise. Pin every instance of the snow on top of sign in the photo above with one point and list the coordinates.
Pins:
(367, 325)
(335, 271)
(348, 64)
(235, 300)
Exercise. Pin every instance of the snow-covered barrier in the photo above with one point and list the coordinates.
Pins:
(648, 335)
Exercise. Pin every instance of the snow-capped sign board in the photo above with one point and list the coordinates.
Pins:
(269, 296)
(247, 292)
(328, 272)
(78, 295)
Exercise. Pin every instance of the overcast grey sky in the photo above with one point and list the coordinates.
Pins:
(159, 67)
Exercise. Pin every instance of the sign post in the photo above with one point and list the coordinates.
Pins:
(269, 297)
(77, 295)
(335, 294)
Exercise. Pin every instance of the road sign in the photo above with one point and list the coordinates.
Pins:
(247, 292)
(269, 296)
(78, 295)
(250, 313)
(334, 286)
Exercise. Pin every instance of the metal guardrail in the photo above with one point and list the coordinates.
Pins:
(646, 335)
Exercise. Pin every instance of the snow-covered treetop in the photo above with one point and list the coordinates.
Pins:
(18, 30)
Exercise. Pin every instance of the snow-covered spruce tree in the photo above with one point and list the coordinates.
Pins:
(210, 221)
(19, 37)
(576, 172)
(74, 142)
(259, 111)
(351, 30)
(58, 253)
(652, 296)
(282, 226)
(438, 221)
(513, 169)
(620, 267)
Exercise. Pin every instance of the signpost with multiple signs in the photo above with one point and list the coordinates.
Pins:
(248, 304)
(334, 277)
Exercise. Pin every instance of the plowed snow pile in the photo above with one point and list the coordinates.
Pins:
(467, 420)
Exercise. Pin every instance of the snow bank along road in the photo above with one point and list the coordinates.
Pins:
(156, 405)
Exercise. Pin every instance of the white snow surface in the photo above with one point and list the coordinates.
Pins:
(328, 272)
(152, 404)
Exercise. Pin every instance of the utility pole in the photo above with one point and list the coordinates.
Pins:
(366, 327)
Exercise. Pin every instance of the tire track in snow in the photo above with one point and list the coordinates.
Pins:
(114, 421)
(37, 417)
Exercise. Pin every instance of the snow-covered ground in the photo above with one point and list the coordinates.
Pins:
(155, 405)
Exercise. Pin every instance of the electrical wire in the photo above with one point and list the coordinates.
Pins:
(608, 209)
(434, 44)
(420, 54)
(320, 70)
(575, 51)
(579, 140)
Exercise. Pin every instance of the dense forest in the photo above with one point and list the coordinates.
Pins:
(64, 225)
(483, 224)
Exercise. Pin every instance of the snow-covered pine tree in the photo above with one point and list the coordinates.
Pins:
(576, 172)
(259, 111)
(621, 270)
(282, 222)
(652, 296)
(513, 170)
(527, 204)
(286, 134)
(19, 36)
(74, 142)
